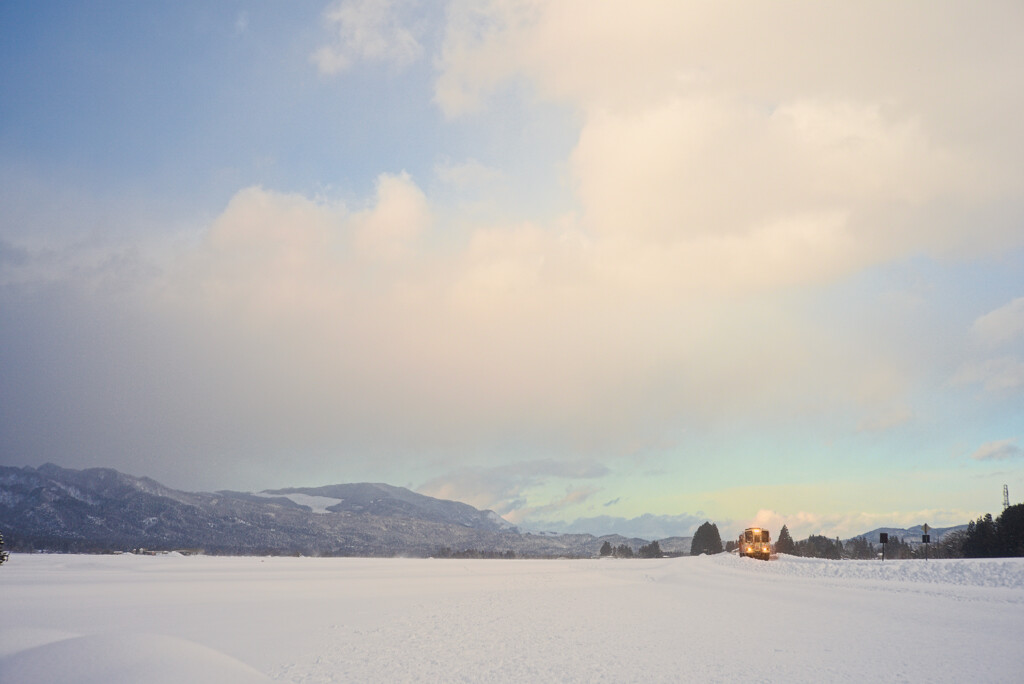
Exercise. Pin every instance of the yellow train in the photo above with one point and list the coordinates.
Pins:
(756, 542)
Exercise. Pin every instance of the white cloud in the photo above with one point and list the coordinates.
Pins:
(646, 526)
(574, 496)
(389, 230)
(371, 30)
(998, 451)
(694, 126)
(715, 174)
(692, 167)
(266, 254)
(504, 489)
(847, 525)
(357, 327)
(1002, 325)
(467, 175)
(306, 326)
(1000, 330)
(330, 60)
(1003, 374)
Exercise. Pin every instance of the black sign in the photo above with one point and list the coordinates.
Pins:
(926, 538)
(883, 537)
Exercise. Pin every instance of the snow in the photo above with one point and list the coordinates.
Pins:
(125, 659)
(318, 504)
(92, 619)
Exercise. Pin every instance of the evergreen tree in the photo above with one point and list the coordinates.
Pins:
(606, 548)
(999, 538)
(706, 540)
(817, 546)
(785, 543)
(951, 545)
(982, 540)
(623, 551)
(1010, 529)
(897, 548)
(652, 550)
(859, 548)
(3, 554)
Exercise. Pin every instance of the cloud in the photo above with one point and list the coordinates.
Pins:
(710, 202)
(646, 526)
(573, 497)
(1002, 325)
(998, 375)
(685, 136)
(998, 451)
(709, 168)
(371, 30)
(298, 325)
(614, 501)
(401, 214)
(468, 175)
(504, 489)
(994, 363)
(847, 525)
(268, 255)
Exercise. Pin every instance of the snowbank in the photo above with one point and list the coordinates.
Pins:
(980, 572)
(125, 659)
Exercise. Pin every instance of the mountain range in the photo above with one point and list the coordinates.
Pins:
(912, 534)
(100, 509)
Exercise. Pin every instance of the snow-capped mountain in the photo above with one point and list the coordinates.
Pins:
(387, 500)
(100, 509)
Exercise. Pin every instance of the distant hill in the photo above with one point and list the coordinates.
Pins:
(676, 545)
(387, 500)
(909, 534)
(99, 509)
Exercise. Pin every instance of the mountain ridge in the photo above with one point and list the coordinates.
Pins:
(383, 499)
(911, 533)
(101, 509)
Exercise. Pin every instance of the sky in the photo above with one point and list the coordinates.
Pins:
(596, 266)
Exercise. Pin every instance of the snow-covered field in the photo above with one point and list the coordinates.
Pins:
(115, 619)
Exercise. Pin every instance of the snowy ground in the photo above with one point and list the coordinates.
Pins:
(114, 619)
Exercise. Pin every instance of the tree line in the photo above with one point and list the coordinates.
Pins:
(446, 552)
(986, 537)
(705, 540)
(652, 550)
(999, 538)
(859, 548)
